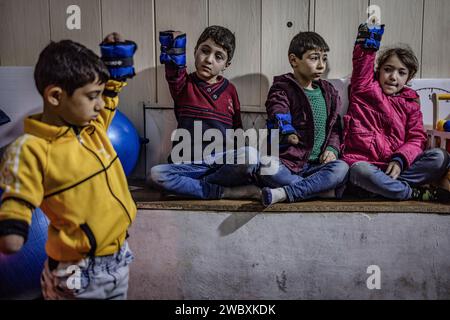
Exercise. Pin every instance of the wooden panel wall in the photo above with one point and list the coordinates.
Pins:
(134, 20)
(24, 31)
(402, 28)
(282, 20)
(244, 19)
(261, 32)
(337, 22)
(90, 33)
(436, 39)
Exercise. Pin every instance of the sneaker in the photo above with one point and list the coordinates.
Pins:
(431, 193)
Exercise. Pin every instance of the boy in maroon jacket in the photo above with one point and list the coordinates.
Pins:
(306, 111)
(204, 100)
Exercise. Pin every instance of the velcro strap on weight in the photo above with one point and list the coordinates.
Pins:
(368, 35)
(112, 62)
(284, 123)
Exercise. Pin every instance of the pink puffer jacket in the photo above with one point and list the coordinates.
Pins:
(377, 127)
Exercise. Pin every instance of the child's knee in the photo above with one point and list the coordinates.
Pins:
(439, 157)
(358, 171)
(341, 169)
(158, 174)
(247, 170)
(269, 166)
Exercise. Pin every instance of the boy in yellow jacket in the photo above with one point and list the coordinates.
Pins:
(66, 165)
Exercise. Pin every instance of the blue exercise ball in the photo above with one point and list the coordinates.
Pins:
(447, 126)
(20, 272)
(125, 140)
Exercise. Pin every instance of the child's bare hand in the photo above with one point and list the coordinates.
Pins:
(393, 170)
(113, 37)
(11, 243)
(177, 33)
(327, 156)
(293, 139)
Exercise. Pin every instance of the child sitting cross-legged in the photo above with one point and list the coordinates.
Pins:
(384, 136)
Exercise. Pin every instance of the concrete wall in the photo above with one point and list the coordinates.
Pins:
(206, 255)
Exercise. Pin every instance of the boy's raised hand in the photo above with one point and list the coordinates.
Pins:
(117, 54)
(11, 243)
(173, 47)
(370, 35)
(113, 37)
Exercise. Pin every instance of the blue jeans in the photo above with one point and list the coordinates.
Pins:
(428, 167)
(206, 180)
(104, 277)
(312, 180)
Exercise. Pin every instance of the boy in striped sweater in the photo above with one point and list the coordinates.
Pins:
(204, 100)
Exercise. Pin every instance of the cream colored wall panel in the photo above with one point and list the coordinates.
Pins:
(403, 20)
(337, 22)
(312, 15)
(134, 20)
(253, 120)
(24, 31)
(282, 20)
(89, 34)
(436, 39)
(160, 124)
(189, 16)
(244, 19)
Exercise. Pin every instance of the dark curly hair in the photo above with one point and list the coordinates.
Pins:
(69, 65)
(220, 35)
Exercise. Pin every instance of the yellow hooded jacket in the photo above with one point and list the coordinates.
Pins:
(75, 177)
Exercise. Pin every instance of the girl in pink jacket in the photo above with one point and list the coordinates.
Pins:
(384, 137)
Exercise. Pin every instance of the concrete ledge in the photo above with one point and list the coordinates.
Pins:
(286, 255)
(304, 207)
(150, 199)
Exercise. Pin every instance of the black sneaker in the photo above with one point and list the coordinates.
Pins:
(430, 193)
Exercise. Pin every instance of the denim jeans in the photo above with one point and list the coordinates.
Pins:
(207, 179)
(103, 277)
(428, 167)
(312, 180)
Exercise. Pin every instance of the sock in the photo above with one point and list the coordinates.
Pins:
(271, 196)
(242, 192)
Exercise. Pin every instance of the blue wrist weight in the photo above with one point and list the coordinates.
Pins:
(284, 122)
(118, 58)
(370, 37)
(173, 50)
